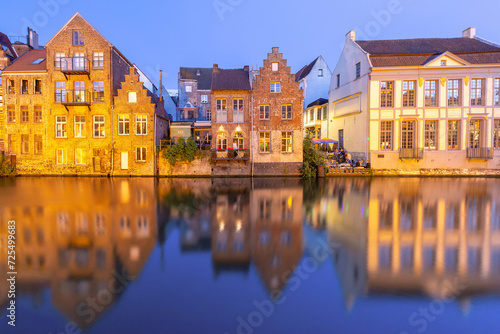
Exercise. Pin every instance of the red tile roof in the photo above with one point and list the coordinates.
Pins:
(231, 79)
(419, 51)
(25, 62)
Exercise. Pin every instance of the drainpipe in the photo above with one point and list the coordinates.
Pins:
(251, 132)
(112, 143)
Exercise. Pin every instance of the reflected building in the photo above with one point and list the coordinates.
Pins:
(76, 243)
(277, 230)
(231, 225)
(422, 239)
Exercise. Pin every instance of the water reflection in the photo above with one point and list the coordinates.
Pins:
(77, 237)
(86, 238)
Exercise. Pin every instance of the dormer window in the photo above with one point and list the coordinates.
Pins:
(275, 67)
(320, 72)
(443, 62)
(38, 61)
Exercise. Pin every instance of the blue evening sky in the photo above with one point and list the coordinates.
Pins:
(168, 34)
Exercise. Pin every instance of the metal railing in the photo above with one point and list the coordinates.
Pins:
(479, 153)
(72, 65)
(411, 153)
(73, 97)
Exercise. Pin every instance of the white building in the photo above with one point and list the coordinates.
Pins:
(418, 103)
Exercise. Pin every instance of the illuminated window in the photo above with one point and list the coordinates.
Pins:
(431, 93)
(386, 135)
(123, 124)
(61, 127)
(98, 91)
(286, 141)
(140, 154)
(98, 59)
(477, 92)
(386, 94)
(38, 144)
(453, 135)
(265, 142)
(80, 131)
(408, 93)
(99, 127)
(61, 157)
(79, 158)
(141, 126)
(25, 144)
(24, 114)
(430, 139)
(221, 141)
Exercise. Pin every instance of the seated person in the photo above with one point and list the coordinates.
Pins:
(368, 164)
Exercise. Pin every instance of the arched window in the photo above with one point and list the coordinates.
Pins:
(221, 141)
(238, 141)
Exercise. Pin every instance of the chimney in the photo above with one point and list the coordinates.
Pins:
(32, 39)
(216, 68)
(246, 68)
(469, 32)
(351, 35)
(161, 84)
(276, 49)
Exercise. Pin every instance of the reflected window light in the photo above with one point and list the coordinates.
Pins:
(221, 246)
(141, 197)
(142, 226)
(428, 257)
(124, 192)
(384, 256)
(286, 238)
(264, 238)
(275, 261)
(125, 224)
(238, 225)
(100, 224)
(473, 260)
(452, 219)
(406, 257)
(135, 252)
(82, 223)
(450, 258)
(222, 226)
(238, 246)
(63, 222)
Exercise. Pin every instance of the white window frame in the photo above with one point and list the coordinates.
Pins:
(276, 87)
(79, 156)
(275, 67)
(80, 127)
(61, 123)
(61, 156)
(204, 99)
(141, 125)
(140, 154)
(100, 126)
(123, 120)
(189, 89)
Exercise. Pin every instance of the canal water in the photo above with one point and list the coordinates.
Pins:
(353, 255)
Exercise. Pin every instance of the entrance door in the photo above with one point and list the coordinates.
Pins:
(124, 160)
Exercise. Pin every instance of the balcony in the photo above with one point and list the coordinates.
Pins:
(73, 65)
(411, 153)
(231, 155)
(479, 153)
(73, 97)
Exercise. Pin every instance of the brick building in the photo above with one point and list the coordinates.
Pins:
(277, 118)
(25, 99)
(85, 77)
(231, 96)
(7, 55)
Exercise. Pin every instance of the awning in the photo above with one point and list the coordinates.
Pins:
(325, 141)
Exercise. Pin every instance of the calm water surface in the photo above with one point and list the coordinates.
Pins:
(388, 255)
